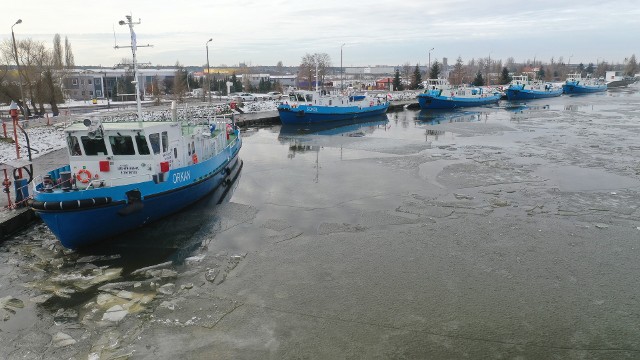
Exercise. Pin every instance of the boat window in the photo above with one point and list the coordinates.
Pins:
(121, 145)
(74, 146)
(154, 139)
(189, 149)
(141, 142)
(165, 141)
(95, 146)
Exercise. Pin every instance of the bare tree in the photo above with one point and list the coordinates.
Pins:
(457, 75)
(27, 52)
(57, 52)
(307, 68)
(9, 89)
(180, 82)
(631, 67)
(406, 71)
(511, 64)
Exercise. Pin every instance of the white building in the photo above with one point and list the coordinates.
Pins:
(86, 84)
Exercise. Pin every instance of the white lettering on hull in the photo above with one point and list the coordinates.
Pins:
(181, 176)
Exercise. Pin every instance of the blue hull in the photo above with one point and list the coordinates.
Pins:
(309, 114)
(428, 101)
(76, 228)
(583, 89)
(526, 94)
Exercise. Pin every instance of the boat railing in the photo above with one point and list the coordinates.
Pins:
(574, 77)
(56, 180)
(46, 183)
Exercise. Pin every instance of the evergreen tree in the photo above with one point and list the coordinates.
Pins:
(479, 80)
(192, 81)
(237, 84)
(261, 86)
(504, 77)
(124, 86)
(434, 72)
(397, 84)
(541, 73)
(416, 78)
(590, 68)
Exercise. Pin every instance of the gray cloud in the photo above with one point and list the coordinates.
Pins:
(264, 32)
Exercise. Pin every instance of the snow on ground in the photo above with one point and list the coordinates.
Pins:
(47, 138)
(42, 140)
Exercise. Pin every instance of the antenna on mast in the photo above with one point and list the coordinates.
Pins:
(134, 46)
(115, 44)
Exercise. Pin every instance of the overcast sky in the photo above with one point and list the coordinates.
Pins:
(375, 32)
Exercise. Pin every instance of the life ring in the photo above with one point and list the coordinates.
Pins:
(81, 178)
(194, 158)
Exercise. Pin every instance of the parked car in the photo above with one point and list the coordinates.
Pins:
(245, 97)
(274, 95)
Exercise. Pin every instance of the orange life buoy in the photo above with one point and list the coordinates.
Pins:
(83, 179)
(194, 157)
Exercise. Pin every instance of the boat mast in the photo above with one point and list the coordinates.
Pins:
(134, 47)
(316, 77)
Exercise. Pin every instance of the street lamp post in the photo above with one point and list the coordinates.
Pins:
(341, 69)
(105, 90)
(208, 70)
(488, 69)
(15, 53)
(429, 66)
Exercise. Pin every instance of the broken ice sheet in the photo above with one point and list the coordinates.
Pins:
(83, 282)
(8, 302)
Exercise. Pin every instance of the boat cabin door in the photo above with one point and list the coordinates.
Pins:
(176, 155)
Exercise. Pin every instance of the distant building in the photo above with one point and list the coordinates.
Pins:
(87, 84)
(284, 80)
(254, 79)
(384, 83)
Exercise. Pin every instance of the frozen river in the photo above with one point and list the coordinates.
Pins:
(505, 232)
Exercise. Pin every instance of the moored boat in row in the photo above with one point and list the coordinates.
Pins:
(575, 84)
(521, 88)
(618, 79)
(308, 107)
(440, 94)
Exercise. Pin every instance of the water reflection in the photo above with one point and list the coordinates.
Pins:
(310, 137)
(435, 117)
(345, 128)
